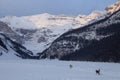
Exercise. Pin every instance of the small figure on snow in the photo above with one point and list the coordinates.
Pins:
(98, 72)
(71, 66)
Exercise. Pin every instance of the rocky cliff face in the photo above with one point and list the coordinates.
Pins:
(98, 41)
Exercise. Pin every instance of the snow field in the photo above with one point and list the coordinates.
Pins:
(57, 70)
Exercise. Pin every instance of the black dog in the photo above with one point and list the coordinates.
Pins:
(98, 71)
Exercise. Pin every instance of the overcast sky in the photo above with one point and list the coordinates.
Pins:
(70, 7)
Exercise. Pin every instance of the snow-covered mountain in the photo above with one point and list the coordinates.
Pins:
(12, 50)
(82, 20)
(98, 41)
(18, 22)
(49, 20)
(114, 7)
(37, 32)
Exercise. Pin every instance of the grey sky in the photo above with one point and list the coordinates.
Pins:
(70, 7)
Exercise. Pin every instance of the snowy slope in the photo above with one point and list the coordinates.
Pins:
(6, 30)
(18, 22)
(12, 50)
(114, 7)
(49, 20)
(82, 20)
(42, 38)
(57, 70)
(37, 21)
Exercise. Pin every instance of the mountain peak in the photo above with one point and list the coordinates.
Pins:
(114, 7)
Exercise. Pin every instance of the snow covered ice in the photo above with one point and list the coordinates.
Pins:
(57, 70)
